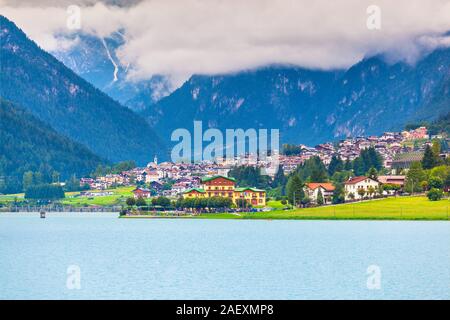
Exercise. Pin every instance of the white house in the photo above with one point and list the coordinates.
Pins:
(312, 191)
(359, 183)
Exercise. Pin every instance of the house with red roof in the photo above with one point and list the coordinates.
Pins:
(355, 186)
(312, 190)
(141, 193)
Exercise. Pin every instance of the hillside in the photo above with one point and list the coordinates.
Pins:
(53, 93)
(312, 106)
(28, 144)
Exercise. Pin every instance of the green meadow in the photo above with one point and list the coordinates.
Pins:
(118, 197)
(400, 208)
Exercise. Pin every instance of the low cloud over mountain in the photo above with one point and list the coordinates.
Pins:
(177, 39)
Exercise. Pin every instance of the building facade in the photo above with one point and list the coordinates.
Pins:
(312, 191)
(355, 186)
(225, 187)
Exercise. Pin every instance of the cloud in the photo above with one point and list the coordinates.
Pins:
(185, 37)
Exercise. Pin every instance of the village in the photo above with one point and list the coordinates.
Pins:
(211, 178)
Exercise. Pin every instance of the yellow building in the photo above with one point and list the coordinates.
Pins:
(225, 187)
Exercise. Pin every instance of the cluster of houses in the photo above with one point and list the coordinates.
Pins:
(225, 187)
(356, 188)
(395, 147)
(217, 186)
(188, 179)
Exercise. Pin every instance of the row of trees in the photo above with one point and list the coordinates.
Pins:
(45, 192)
(212, 204)
(196, 204)
(163, 202)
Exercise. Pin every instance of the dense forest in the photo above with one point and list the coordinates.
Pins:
(30, 149)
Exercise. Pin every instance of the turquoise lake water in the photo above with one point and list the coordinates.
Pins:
(220, 259)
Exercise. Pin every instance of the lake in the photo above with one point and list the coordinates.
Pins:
(98, 256)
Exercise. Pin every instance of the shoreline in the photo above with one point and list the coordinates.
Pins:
(304, 218)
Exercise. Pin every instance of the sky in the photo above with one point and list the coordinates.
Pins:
(178, 38)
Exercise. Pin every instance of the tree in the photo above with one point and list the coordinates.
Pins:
(348, 165)
(414, 177)
(123, 166)
(280, 179)
(380, 189)
(367, 159)
(436, 148)
(242, 203)
(27, 180)
(341, 176)
(130, 201)
(336, 165)
(320, 200)
(441, 172)
(56, 177)
(161, 201)
(179, 204)
(249, 176)
(73, 184)
(447, 181)
(140, 202)
(428, 161)
(361, 192)
(219, 203)
(371, 191)
(312, 170)
(305, 201)
(338, 194)
(436, 182)
(372, 173)
(188, 203)
(435, 194)
(294, 190)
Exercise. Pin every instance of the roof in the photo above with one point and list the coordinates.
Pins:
(356, 180)
(141, 189)
(216, 177)
(400, 180)
(408, 157)
(249, 188)
(325, 185)
(199, 190)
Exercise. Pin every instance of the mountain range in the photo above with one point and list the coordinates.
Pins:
(312, 106)
(308, 106)
(88, 98)
(38, 82)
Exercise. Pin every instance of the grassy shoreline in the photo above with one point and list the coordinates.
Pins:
(404, 208)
